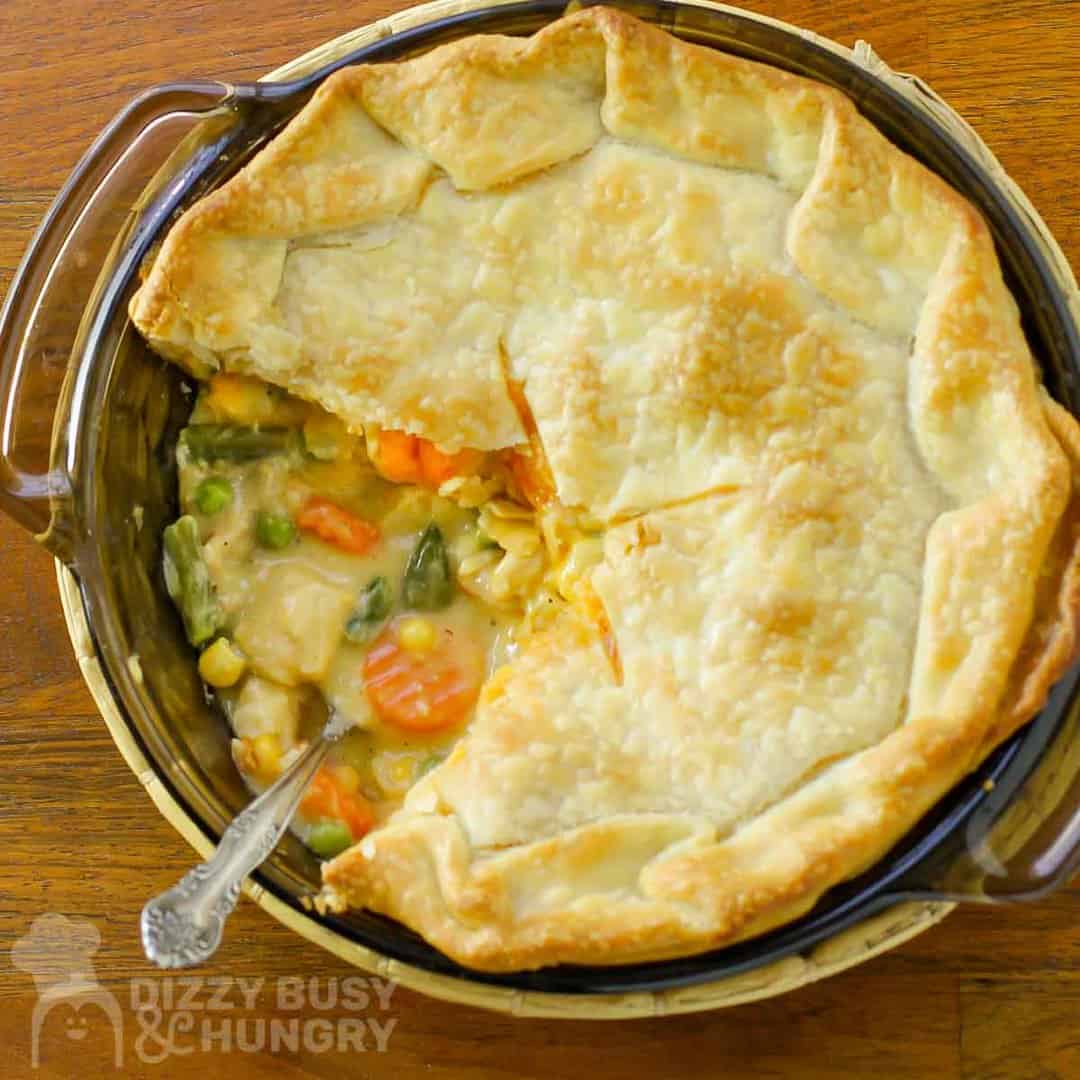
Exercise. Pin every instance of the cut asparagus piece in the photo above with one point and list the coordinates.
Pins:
(428, 584)
(188, 581)
(371, 611)
(231, 442)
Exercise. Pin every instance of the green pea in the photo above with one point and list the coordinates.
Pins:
(274, 531)
(329, 838)
(213, 495)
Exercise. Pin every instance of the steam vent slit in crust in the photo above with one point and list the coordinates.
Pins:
(772, 413)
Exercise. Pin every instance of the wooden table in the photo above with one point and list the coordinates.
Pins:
(989, 993)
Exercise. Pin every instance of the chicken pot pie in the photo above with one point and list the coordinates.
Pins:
(753, 527)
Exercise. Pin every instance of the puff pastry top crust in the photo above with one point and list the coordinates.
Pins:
(773, 356)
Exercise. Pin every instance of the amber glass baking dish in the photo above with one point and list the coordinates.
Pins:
(89, 418)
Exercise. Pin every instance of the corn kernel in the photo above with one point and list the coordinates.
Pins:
(221, 665)
(347, 777)
(239, 398)
(417, 634)
(266, 750)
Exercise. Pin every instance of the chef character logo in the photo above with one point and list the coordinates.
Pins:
(58, 953)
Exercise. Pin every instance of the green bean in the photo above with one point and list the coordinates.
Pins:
(188, 581)
(213, 495)
(428, 584)
(371, 610)
(232, 442)
(329, 838)
(274, 531)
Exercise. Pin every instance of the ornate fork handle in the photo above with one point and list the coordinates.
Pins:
(183, 925)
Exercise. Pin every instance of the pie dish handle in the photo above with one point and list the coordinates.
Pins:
(57, 291)
(1018, 837)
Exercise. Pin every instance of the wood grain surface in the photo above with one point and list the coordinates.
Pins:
(990, 993)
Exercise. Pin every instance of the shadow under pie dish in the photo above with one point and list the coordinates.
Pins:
(1042, 625)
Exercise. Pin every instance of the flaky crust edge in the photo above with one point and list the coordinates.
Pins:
(700, 892)
(714, 894)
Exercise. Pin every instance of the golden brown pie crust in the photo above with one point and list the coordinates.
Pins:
(774, 357)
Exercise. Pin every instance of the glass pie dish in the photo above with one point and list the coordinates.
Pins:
(100, 500)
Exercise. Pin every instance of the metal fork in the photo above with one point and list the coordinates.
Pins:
(183, 925)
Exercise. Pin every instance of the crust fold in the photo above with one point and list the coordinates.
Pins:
(776, 355)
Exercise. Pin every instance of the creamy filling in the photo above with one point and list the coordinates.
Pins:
(368, 571)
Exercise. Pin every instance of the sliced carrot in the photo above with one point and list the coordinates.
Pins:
(438, 467)
(410, 459)
(335, 525)
(422, 690)
(326, 798)
(356, 812)
(398, 457)
(320, 799)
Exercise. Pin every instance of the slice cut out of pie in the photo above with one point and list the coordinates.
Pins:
(764, 353)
